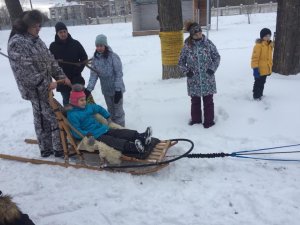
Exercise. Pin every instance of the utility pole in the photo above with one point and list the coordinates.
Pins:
(30, 4)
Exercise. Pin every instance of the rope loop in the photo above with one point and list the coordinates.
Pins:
(208, 155)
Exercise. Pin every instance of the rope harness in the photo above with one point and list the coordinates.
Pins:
(251, 154)
(85, 62)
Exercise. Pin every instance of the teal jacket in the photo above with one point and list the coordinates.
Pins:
(84, 121)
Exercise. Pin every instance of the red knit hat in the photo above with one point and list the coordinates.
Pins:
(76, 93)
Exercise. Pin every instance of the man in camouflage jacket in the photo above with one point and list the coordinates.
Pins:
(34, 67)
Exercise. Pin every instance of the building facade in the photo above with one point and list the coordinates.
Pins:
(68, 12)
(104, 8)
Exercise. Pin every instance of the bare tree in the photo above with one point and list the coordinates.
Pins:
(4, 17)
(170, 20)
(248, 7)
(287, 46)
(14, 9)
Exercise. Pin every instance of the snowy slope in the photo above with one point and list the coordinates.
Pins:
(189, 192)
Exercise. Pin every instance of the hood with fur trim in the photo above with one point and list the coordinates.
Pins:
(9, 211)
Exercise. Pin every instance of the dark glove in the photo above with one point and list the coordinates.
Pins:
(256, 73)
(89, 134)
(210, 72)
(190, 74)
(118, 96)
(87, 93)
(91, 139)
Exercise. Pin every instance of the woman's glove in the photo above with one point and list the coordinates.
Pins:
(190, 74)
(256, 73)
(91, 139)
(210, 72)
(118, 96)
(87, 93)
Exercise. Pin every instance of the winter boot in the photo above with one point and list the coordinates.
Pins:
(191, 122)
(46, 154)
(139, 146)
(146, 136)
(208, 125)
(59, 154)
(136, 147)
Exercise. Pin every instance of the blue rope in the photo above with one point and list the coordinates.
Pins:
(250, 157)
(263, 149)
(246, 153)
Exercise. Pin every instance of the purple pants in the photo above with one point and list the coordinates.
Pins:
(196, 111)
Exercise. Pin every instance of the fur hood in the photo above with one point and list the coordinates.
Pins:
(9, 211)
(259, 41)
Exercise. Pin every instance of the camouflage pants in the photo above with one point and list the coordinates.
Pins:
(46, 127)
(116, 110)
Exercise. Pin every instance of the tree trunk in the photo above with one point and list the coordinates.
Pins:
(171, 26)
(14, 8)
(287, 45)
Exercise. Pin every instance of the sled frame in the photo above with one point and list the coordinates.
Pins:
(70, 145)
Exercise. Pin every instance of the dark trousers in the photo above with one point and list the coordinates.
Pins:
(258, 87)
(65, 96)
(120, 139)
(196, 111)
(46, 127)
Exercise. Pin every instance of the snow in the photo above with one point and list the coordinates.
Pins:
(190, 191)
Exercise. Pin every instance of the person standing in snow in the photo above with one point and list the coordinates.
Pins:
(109, 67)
(199, 60)
(10, 214)
(67, 49)
(34, 67)
(262, 62)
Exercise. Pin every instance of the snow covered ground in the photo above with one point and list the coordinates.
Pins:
(227, 191)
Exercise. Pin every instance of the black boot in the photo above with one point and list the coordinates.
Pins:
(135, 147)
(146, 136)
(46, 154)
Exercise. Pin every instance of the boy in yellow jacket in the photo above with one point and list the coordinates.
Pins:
(262, 62)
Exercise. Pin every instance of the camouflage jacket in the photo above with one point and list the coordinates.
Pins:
(33, 66)
(198, 58)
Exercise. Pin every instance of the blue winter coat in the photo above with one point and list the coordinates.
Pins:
(110, 73)
(84, 121)
(198, 58)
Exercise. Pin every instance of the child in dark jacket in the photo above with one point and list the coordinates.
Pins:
(81, 117)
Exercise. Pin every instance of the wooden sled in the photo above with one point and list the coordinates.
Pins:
(88, 160)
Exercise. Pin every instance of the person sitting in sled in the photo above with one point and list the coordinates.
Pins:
(81, 117)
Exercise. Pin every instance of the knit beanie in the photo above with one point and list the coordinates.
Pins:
(264, 32)
(60, 26)
(101, 39)
(76, 93)
(195, 28)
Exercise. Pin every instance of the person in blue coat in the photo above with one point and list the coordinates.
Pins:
(81, 117)
(109, 70)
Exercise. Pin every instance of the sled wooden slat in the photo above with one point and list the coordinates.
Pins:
(31, 141)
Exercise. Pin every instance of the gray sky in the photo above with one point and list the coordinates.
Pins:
(38, 4)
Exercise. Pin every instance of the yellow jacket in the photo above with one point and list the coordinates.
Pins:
(262, 57)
